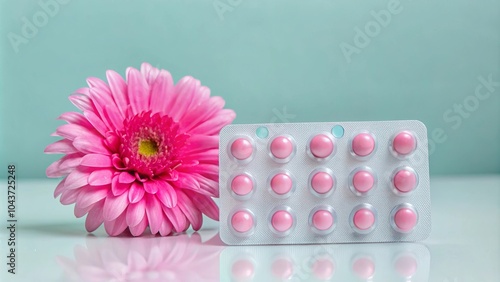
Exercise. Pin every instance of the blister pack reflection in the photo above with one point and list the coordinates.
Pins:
(332, 182)
(341, 262)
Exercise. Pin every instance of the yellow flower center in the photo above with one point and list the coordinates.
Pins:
(148, 148)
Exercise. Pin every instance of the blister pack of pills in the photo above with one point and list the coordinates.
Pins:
(329, 182)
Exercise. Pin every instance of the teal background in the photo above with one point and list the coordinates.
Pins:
(276, 61)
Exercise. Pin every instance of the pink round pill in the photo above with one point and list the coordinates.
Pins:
(241, 148)
(281, 147)
(322, 182)
(323, 268)
(363, 144)
(404, 143)
(405, 219)
(242, 221)
(242, 185)
(406, 266)
(282, 268)
(364, 219)
(405, 180)
(321, 146)
(322, 220)
(363, 181)
(242, 270)
(364, 267)
(281, 183)
(282, 221)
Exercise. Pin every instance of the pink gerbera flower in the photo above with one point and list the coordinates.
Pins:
(143, 153)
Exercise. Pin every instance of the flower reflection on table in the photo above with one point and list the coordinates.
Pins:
(150, 258)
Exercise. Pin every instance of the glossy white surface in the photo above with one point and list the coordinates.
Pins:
(54, 246)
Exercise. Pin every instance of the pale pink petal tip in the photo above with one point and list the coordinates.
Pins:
(141, 156)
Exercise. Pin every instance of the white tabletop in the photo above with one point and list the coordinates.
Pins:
(53, 246)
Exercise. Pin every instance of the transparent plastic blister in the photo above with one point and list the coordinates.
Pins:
(331, 182)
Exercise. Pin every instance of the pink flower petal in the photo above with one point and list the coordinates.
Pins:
(166, 227)
(118, 188)
(145, 70)
(189, 209)
(100, 99)
(186, 88)
(75, 118)
(199, 97)
(186, 225)
(82, 91)
(138, 91)
(97, 123)
(210, 156)
(202, 112)
(201, 143)
(160, 89)
(119, 90)
(90, 145)
(81, 211)
(149, 72)
(82, 102)
(171, 176)
(196, 183)
(152, 186)
(71, 161)
(71, 131)
(213, 126)
(94, 218)
(114, 206)
(153, 211)
(166, 194)
(176, 217)
(206, 169)
(60, 188)
(136, 192)
(138, 229)
(207, 186)
(90, 195)
(96, 160)
(63, 166)
(69, 196)
(117, 226)
(101, 177)
(205, 204)
(187, 181)
(95, 82)
(136, 212)
(126, 177)
(113, 116)
(61, 147)
(76, 179)
(112, 142)
(203, 97)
